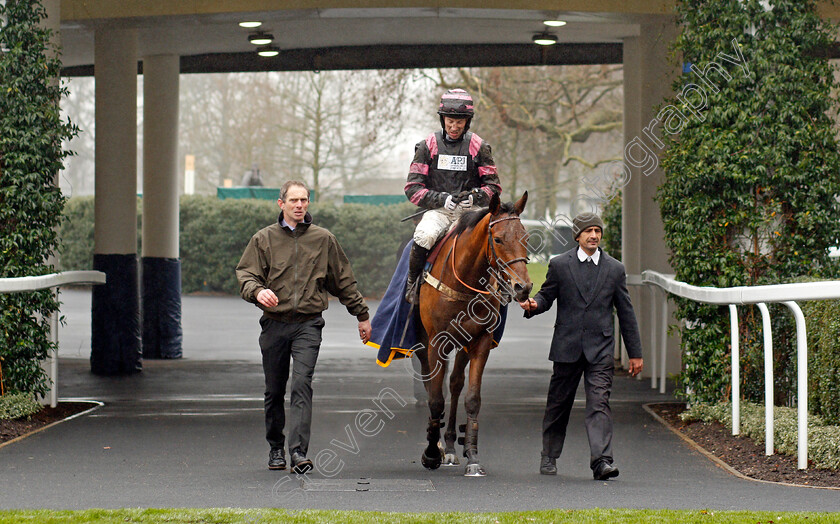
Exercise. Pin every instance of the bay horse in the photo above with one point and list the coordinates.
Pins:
(480, 266)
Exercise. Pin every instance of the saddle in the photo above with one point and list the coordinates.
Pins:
(435, 251)
(437, 284)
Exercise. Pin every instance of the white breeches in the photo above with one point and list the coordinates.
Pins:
(434, 224)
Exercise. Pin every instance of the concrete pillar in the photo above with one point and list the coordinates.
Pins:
(648, 75)
(115, 315)
(50, 364)
(161, 281)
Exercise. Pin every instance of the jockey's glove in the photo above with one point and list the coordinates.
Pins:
(466, 203)
(450, 203)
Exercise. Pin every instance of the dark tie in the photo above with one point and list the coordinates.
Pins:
(590, 274)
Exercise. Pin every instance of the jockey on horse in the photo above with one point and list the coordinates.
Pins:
(452, 170)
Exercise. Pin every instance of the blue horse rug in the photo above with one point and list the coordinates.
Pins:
(393, 329)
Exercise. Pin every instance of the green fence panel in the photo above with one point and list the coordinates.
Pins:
(375, 200)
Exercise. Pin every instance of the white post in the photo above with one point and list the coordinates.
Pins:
(801, 385)
(54, 355)
(663, 339)
(189, 175)
(652, 336)
(769, 421)
(736, 372)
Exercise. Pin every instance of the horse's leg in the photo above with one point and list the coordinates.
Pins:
(432, 456)
(422, 357)
(456, 384)
(472, 403)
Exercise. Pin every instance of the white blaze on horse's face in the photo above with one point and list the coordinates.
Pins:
(510, 244)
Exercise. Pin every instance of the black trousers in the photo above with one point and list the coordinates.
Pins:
(597, 383)
(281, 342)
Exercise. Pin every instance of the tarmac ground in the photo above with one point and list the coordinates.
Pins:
(189, 433)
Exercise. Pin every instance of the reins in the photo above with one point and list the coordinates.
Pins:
(491, 249)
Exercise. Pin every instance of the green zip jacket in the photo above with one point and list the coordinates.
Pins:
(301, 266)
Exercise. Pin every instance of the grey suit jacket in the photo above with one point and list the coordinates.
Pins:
(586, 326)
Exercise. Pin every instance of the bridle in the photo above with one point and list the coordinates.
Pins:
(494, 260)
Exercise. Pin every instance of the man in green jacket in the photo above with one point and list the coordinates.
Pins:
(287, 270)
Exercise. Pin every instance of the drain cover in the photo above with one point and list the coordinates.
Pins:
(367, 485)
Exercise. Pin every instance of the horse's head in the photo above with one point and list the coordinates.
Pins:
(508, 246)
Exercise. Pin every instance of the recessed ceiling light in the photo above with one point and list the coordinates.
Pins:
(554, 23)
(250, 25)
(544, 38)
(268, 51)
(260, 38)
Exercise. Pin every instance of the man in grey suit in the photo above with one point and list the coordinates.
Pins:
(587, 284)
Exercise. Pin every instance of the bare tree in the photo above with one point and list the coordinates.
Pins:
(227, 122)
(327, 128)
(342, 125)
(537, 117)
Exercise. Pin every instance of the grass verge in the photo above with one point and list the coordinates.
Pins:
(537, 272)
(233, 515)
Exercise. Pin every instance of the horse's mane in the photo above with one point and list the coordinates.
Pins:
(471, 218)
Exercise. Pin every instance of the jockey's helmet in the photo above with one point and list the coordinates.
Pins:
(456, 103)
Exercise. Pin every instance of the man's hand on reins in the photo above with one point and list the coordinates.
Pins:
(528, 305)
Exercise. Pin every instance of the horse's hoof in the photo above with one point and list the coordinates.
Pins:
(474, 470)
(450, 459)
(430, 462)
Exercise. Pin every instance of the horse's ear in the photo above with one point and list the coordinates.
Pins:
(495, 203)
(519, 206)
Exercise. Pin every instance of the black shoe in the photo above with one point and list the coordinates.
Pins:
(548, 465)
(604, 471)
(276, 459)
(300, 464)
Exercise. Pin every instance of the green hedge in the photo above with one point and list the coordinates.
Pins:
(215, 232)
(823, 452)
(750, 179)
(213, 235)
(823, 326)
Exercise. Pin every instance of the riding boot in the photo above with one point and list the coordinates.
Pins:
(416, 261)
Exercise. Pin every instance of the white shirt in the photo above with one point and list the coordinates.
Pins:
(582, 256)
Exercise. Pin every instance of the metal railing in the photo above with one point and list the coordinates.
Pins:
(53, 280)
(786, 294)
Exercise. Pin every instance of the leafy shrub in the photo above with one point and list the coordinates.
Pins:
(17, 405)
(77, 233)
(823, 326)
(611, 214)
(751, 174)
(214, 234)
(31, 134)
(823, 439)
